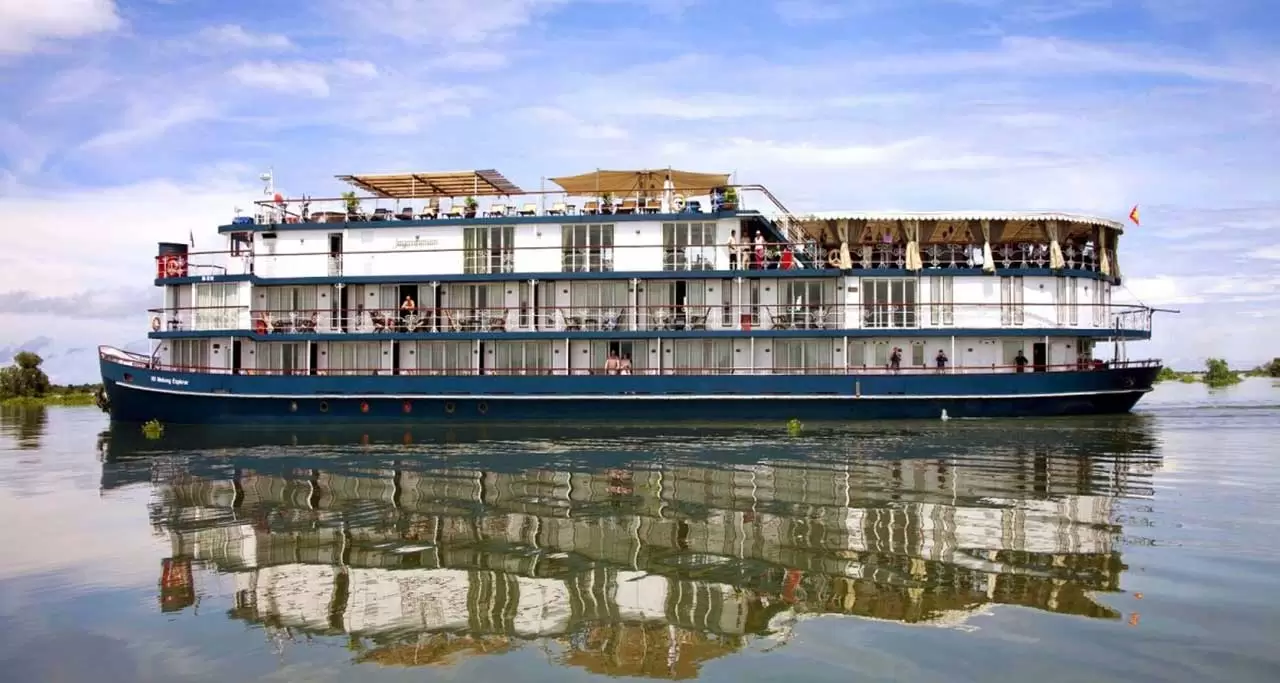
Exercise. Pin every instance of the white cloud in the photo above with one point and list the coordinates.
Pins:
(446, 21)
(298, 78)
(1271, 252)
(26, 26)
(231, 36)
(471, 60)
(149, 125)
(93, 252)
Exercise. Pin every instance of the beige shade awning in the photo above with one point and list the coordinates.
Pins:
(487, 182)
(645, 182)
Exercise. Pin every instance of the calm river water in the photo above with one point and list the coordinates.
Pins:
(1134, 548)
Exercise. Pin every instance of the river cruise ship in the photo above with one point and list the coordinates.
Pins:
(623, 296)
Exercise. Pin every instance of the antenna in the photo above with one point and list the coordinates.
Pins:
(269, 181)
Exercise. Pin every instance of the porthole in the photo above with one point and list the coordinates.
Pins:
(293, 406)
(324, 406)
(449, 407)
(408, 407)
(364, 406)
(483, 407)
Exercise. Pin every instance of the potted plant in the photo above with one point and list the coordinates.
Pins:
(353, 205)
(469, 207)
(730, 200)
(606, 203)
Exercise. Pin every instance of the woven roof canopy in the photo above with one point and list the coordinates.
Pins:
(487, 182)
(644, 182)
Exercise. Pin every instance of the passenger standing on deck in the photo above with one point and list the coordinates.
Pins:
(759, 250)
(941, 360)
(611, 365)
(895, 359)
(624, 365)
(732, 244)
(1020, 362)
(407, 309)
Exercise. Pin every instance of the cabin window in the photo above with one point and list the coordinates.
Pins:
(520, 358)
(889, 302)
(856, 355)
(942, 300)
(805, 293)
(702, 357)
(488, 249)
(1101, 303)
(217, 306)
(802, 356)
(599, 298)
(353, 358)
(281, 301)
(726, 303)
(442, 358)
(917, 354)
(241, 243)
(1009, 351)
(191, 354)
(476, 300)
(880, 354)
(283, 359)
(1012, 313)
(587, 248)
(689, 246)
(1068, 311)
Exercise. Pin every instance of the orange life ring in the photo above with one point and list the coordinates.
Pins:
(260, 326)
(155, 323)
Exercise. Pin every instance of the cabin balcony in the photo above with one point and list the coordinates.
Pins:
(921, 318)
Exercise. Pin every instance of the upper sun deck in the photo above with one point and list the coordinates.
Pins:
(481, 223)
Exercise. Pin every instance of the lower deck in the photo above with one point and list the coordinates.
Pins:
(746, 355)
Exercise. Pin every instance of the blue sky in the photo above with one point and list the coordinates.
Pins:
(124, 122)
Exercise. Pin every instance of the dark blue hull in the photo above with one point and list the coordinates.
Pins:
(139, 395)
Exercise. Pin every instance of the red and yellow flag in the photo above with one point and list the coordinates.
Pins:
(1133, 215)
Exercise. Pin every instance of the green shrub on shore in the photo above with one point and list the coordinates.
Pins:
(1219, 374)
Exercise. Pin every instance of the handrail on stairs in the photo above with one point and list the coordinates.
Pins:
(793, 230)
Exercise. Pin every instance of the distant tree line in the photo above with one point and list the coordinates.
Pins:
(25, 383)
(1218, 374)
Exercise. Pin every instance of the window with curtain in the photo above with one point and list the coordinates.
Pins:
(283, 300)
(217, 306)
(587, 248)
(189, 354)
(284, 359)
(353, 358)
(689, 246)
(942, 300)
(443, 357)
(702, 356)
(1066, 303)
(802, 356)
(521, 357)
(488, 249)
(1012, 312)
(889, 302)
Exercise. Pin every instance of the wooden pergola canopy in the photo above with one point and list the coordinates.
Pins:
(487, 182)
(648, 182)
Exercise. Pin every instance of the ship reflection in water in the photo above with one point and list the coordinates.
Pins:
(641, 553)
